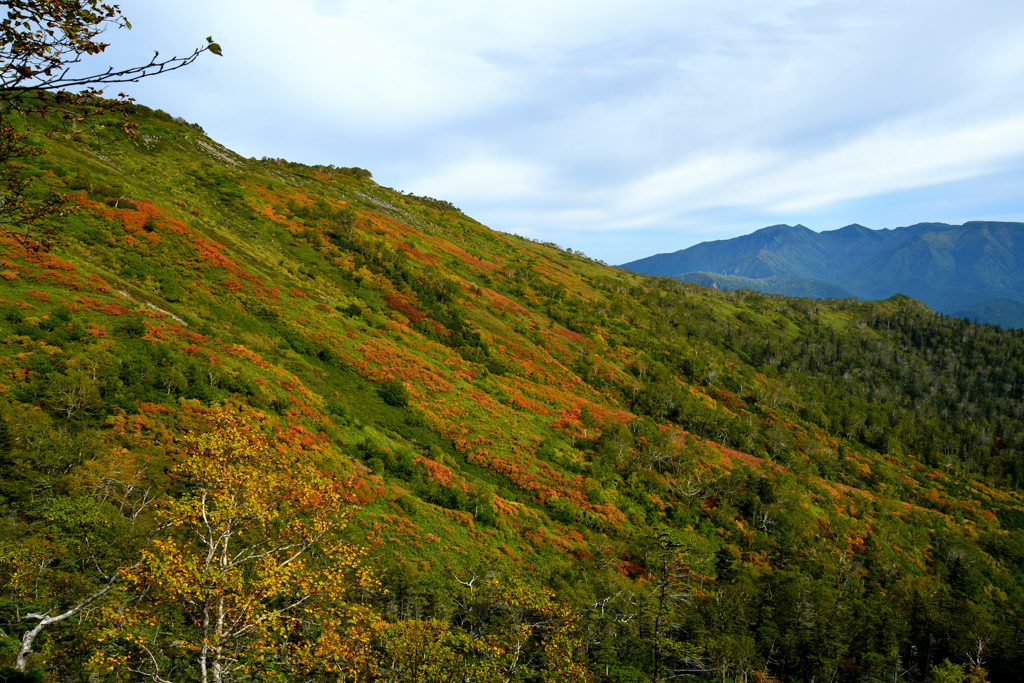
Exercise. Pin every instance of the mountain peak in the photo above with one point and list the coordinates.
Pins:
(780, 229)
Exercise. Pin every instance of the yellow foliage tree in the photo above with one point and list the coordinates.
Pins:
(247, 575)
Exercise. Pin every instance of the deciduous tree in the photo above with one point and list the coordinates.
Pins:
(249, 557)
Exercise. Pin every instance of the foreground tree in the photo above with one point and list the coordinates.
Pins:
(41, 42)
(59, 561)
(247, 574)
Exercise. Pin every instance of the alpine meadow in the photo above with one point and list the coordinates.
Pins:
(265, 421)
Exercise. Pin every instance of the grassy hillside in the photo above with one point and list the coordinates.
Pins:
(549, 469)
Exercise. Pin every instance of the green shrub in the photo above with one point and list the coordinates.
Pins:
(394, 393)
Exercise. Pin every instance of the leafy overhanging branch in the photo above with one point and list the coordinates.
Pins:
(41, 41)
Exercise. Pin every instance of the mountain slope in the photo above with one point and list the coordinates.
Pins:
(791, 285)
(950, 268)
(782, 250)
(554, 469)
(768, 252)
(1004, 312)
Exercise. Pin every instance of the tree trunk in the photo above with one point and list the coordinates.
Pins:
(21, 659)
(657, 619)
(26, 643)
(205, 647)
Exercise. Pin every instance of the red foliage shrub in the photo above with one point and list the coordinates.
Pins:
(403, 306)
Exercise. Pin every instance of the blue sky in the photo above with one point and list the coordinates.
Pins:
(619, 128)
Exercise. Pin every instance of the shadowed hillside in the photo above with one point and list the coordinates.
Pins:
(790, 285)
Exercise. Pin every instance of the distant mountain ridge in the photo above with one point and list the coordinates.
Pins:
(788, 285)
(972, 270)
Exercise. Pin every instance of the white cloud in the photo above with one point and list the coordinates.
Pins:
(593, 115)
(486, 179)
(894, 157)
(692, 180)
(898, 157)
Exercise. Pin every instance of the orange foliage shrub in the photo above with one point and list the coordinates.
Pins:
(239, 351)
(466, 257)
(417, 254)
(439, 473)
(384, 360)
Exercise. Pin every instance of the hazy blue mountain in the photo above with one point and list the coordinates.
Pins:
(975, 269)
(1003, 312)
(781, 250)
(789, 285)
(948, 270)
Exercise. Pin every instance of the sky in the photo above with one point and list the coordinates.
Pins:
(621, 129)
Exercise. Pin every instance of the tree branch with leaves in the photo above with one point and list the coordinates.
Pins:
(41, 90)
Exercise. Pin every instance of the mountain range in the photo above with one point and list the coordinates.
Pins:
(974, 270)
